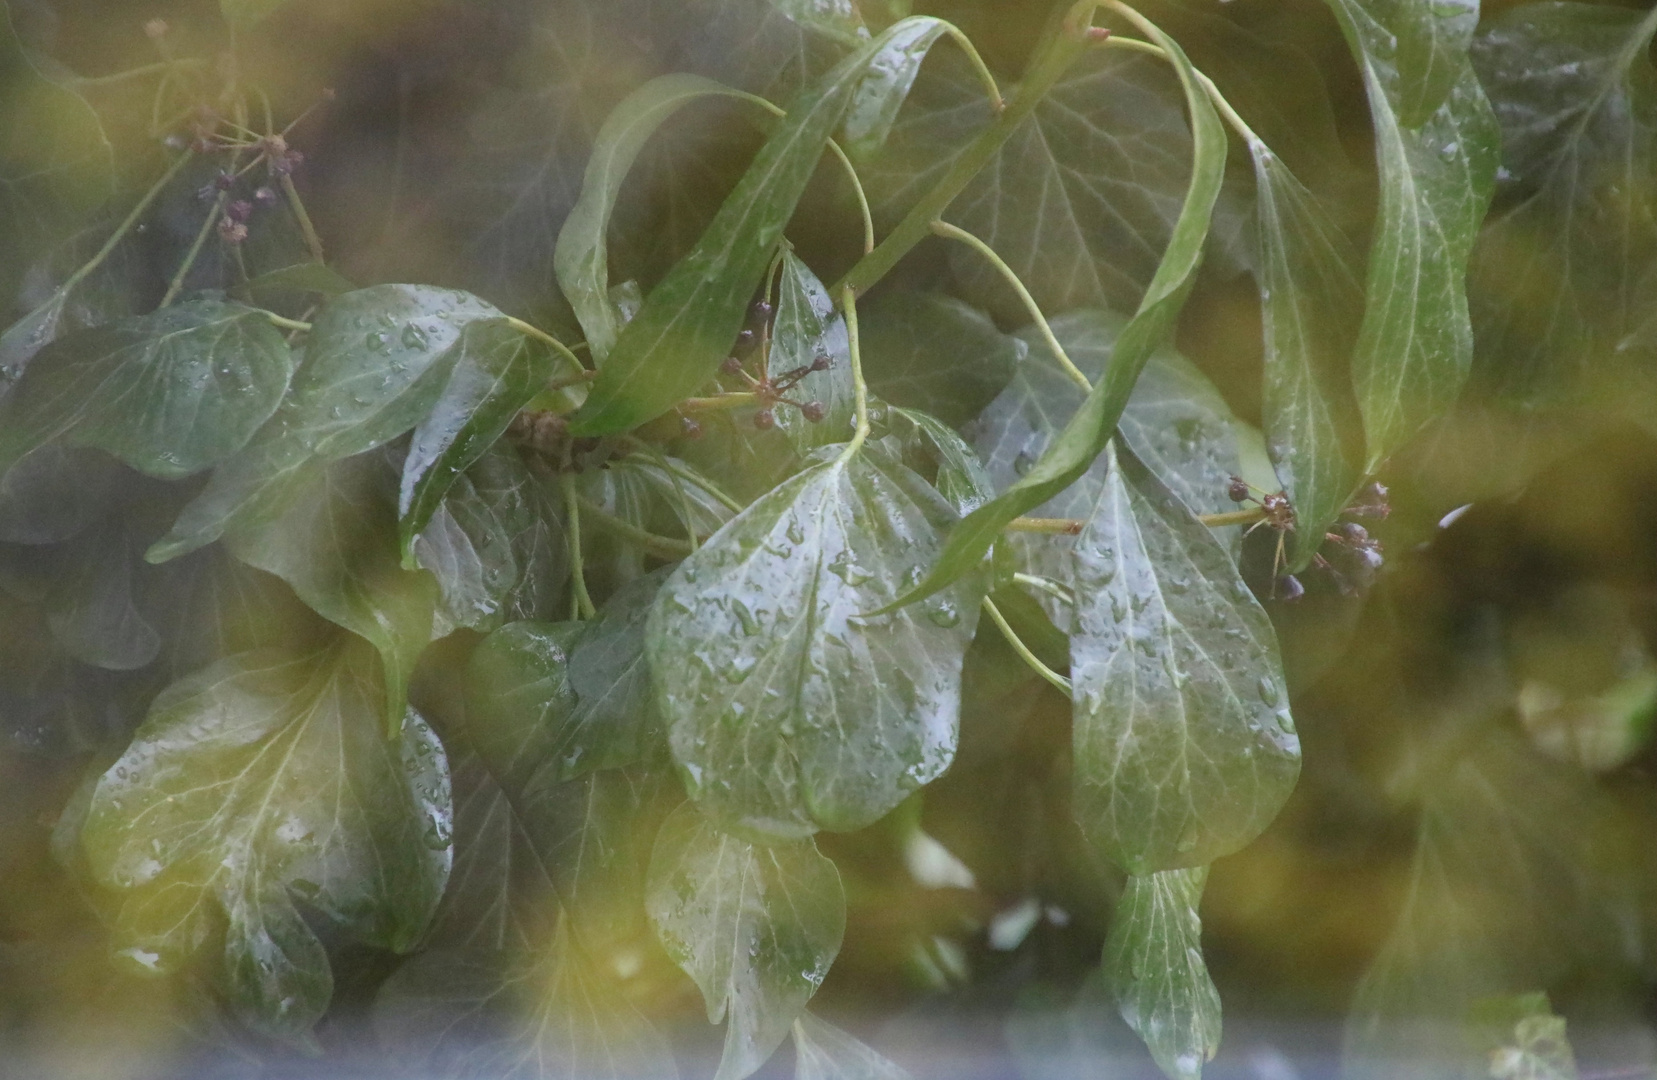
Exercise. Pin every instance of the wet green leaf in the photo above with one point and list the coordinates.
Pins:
(305, 277)
(1069, 455)
(615, 704)
(933, 352)
(961, 478)
(336, 547)
(497, 371)
(761, 649)
(91, 608)
(170, 393)
(755, 926)
(1184, 749)
(258, 783)
(824, 1052)
(1556, 280)
(520, 705)
(1436, 145)
(882, 92)
(807, 327)
(1153, 965)
(1311, 305)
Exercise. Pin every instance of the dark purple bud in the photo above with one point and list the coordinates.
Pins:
(822, 363)
(1368, 557)
(814, 411)
(745, 340)
(232, 232)
(765, 420)
(1237, 490)
(761, 311)
(265, 195)
(731, 366)
(1354, 533)
(223, 181)
(1289, 588)
(240, 210)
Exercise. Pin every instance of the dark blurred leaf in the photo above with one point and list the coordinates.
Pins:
(755, 926)
(1153, 965)
(306, 277)
(933, 352)
(761, 652)
(243, 14)
(1436, 145)
(170, 393)
(1557, 278)
(961, 479)
(807, 327)
(520, 704)
(611, 680)
(824, 1052)
(260, 782)
(91, 608)
(54, 492)
(1184, 749)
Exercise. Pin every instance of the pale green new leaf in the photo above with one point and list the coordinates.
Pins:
(170, 393)
(824, 1052)
(761, 648)
(1153, 965)
(805, 328)
(258, 783)
(756, 927)
(1436, 147)
(891, 75)
(1184, 750)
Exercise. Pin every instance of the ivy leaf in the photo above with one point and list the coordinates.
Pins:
(376, 361)
(760, 651)
(337, 548)
(835, 18)
(55, 167)
(54, 492)
(1069, 455)
(1153, 965)
(259, 782)
(824, 1052)
(91, 608)
(169, 393)
(243, 14)
(497, 371)
(883, 90)
(806, 327)
(1436, 146)
(520, 704)
(934, 352)
(961, 479)
(611, 679)
(688, 322)
(1184, 749)
(1311, 304)
(303, 277)
(755, 926)
(1557, 279)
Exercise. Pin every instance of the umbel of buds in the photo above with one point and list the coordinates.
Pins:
(765, 419)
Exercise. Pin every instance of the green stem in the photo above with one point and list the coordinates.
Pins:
(160, 67)
(1235, 517)
(177, 283)
(1048, 526)
(313, 242)
(1064, 45)
(1221, 105)
(848, 306)
(1023, 650)
(286, 324)
(1041, 584)
(581, 600)
(126, 225)
(862, 197)
(663, 547)
(558, 346)
(945, 229)
(719, 402)
(997, 102)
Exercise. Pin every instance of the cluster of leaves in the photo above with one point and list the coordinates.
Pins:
(672, 609)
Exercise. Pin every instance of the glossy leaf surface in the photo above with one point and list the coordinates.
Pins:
(824, 1052)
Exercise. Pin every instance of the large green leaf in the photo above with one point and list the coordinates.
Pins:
(824, 1052)
(1311, 305)
(611, 680)
(1068, 457)
(496, 371)
(687, 324)
(934, 352)
(1153, 965)
(254, 785)
(762, 654)
(376, 361)
(1436, 146)
(1184, 749)
(1556, 284)
(170, 393)
(755, 926)
(337, 547)
(807, 327)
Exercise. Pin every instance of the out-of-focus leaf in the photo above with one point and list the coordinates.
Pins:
(933, 352)
(1070, 454)
(1436, 145)
(91, 609)
(836, 18)
(807, 327)
(170, 393)
(1153, 965)
(611, 680)
(824, 1052)
(519, 701)
(755, 926)
(261, 782)
(55, 492)
(308, 277)
(961, 477)
(1311, 305)
(1184, 749)
(337, 547)
(246, 13)
(1557, 279)
(760, 650)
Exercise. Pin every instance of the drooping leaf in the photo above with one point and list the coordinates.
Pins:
(1183, 746)
(260, 782)
(497, 371)
(170, 393)
(1436, 146)
(755, 926)
(760, 652)
(55, 492)
(685, 328)
(807, 327)
(615, 703)
(884, 89)
(519, 701)
(1153, 965)
(336, 546)
(824, 1052)
(933, 352)
(1311, 305)
(1556, 279)
(376, 361)
(1069, 455)
(91, 609)
(836, 18)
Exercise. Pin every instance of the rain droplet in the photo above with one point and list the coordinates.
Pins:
(414, 337)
